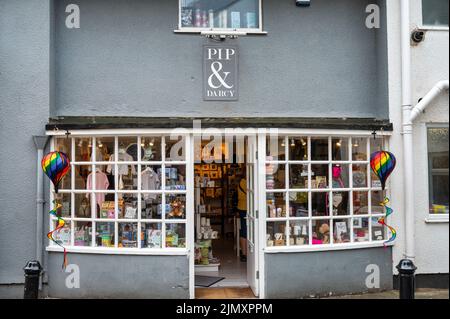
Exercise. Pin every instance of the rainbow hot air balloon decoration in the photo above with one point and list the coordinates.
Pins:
(383, 164)
(56, 165)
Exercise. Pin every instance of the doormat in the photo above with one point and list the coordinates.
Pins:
(207, 281)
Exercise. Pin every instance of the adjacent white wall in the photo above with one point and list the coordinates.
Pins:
(429, 65)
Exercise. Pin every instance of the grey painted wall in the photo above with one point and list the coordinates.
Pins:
(298, 275)
(115, 276)
(126, 60)
(24, 109)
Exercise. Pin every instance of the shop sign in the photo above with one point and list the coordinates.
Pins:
(220, 73)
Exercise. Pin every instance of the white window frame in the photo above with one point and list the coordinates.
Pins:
(429, 27)
(220, 31)
(330, 134)
(432, 218)
(116, 134)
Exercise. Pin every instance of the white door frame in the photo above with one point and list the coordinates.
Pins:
(259, 206)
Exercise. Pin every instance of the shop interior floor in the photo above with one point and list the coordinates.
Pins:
(224, 293)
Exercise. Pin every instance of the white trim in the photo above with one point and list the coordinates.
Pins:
(121, 251)
(433, 28)
(322, 248)
(437, 219)
(256, 130)
(222, 31)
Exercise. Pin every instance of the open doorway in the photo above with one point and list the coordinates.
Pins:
(221, 198)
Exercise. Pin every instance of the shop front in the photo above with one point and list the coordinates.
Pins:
(139, 206)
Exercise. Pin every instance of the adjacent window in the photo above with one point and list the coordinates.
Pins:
(438, 162)
(199, 15)
(123, 192)
(435, 13)
(321, 191)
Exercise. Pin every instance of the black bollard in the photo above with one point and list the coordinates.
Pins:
(32, 271)
(406, 269)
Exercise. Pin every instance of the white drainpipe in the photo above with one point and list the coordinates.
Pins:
(409, 115)
(438, 89)
(407, 131)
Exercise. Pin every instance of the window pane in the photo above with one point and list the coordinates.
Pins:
(127, 176)
(151, 235)
(438, 154)
(152, 148)
(359, 149)
(377, 199)
(175, 177)
(378, 230)
(62, 236)
(104, 236)
(83, 234)
(298, 204)
(319, 149)
(361, 229)
(225, 14)
(83, 149)
(176, 206)
(320, 204)
(340, 149)
(276, 205)
(128, 235)
(298, 148)
(360, 203)
(82, 206)
(151, 206)
(319, 176)
(81, 175)
(298, 176)
(175, 235)
(376, 144)
(107, 210)
(435, 12)
(321, 232)
(175, 148)
(276, 234)
(359, 176)
(341, 230)
(341, 203)
(128, 206)
(276, 176)
(340, 176)
(64, 200)
(104, 150)
(276, 148)
(299, 233)
(64, 145)
(128, 149)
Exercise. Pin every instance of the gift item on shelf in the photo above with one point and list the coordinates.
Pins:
(235, 20)
(107, 210)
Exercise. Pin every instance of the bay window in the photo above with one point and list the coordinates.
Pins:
(123, 192)
(320, 191)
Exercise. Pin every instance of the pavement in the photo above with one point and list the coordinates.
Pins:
(394, 294)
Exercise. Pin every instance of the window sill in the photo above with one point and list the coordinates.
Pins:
(124, 251)
(322, 248)
(221, 32)
(437, 219)
(433, 28)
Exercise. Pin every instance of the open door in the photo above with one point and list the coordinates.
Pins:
(252, 216)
